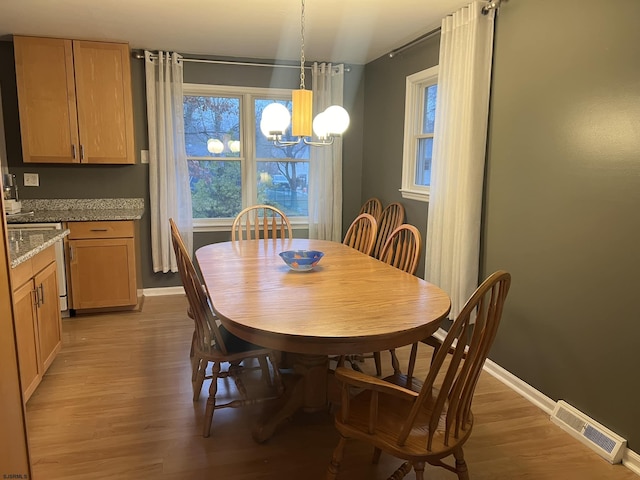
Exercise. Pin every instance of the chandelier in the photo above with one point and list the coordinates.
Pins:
(326, 125)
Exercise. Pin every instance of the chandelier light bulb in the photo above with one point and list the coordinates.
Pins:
(275, 120)
(215, 146)
(337, 120)
(321, 125)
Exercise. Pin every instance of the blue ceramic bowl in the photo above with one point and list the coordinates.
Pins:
(301, 260)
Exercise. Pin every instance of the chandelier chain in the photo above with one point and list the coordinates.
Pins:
(302, 47)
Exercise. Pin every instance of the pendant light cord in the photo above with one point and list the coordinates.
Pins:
(302, 47)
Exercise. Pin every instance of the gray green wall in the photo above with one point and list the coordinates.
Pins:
(384, 129)
(562, 194)
(107, 181)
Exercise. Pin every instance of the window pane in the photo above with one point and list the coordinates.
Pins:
(423, 162)
(429, 108)
(265, 148)
(216, 188)
(284, 185)
(212, 126)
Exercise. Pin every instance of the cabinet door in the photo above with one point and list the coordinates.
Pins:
(103, 89)
(47, 100)
(102, 273)
(27, 338)
(49, 319)
(14, 447)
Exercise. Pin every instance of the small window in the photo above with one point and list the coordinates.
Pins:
(419, 123)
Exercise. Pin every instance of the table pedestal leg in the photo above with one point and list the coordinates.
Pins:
(307, 391)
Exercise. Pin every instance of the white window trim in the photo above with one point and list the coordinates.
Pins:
(247, 131)
(414, 100)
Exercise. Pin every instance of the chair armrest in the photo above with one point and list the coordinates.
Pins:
(362, 380)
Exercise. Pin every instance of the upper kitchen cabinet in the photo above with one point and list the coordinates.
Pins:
(74, 99)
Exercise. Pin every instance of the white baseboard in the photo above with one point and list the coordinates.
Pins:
(527, 391)
(631, 460)
(159, 291)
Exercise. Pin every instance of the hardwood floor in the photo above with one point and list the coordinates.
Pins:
(116, 404)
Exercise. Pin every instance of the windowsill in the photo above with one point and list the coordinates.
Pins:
(212, 228)
(225, 225)
(413, 195)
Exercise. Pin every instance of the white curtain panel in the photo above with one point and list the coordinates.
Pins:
(455, 205)
(170, 194)
(325, 169)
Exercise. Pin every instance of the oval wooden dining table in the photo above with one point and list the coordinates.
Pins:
(349, 303)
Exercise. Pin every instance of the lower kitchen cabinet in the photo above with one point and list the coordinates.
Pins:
(49, 319)
(38, 324)
(26, 328)
(102, 264)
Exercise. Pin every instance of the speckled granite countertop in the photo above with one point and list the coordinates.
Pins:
(24, 244)
(78, 210)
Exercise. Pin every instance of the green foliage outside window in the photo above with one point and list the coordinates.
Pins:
(216, 155)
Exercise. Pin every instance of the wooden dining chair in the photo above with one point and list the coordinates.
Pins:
(390, 219)
(373, 207)
(261, 221)
(361, 234)
(401, 250)
(213, 343)
(424, 422)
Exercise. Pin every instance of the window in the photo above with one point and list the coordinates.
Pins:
(231, 164)
(419, 121)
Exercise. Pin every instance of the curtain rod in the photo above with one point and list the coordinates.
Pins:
(494, 5)
(234, 62)
(413, 42)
